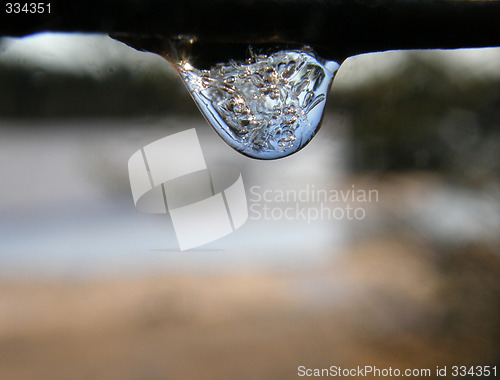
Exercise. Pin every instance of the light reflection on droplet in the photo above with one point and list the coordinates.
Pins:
(267, 107)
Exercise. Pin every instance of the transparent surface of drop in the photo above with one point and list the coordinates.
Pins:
(267, 107)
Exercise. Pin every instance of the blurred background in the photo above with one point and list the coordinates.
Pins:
(90, 288)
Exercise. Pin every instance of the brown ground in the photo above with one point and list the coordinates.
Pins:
(389, 304)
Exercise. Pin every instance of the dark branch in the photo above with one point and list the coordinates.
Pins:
(335, 28)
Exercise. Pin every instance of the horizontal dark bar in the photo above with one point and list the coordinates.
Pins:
(335, 28)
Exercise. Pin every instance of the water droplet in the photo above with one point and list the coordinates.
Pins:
(266, 107)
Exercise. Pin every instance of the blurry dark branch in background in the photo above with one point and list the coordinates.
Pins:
(337, 29)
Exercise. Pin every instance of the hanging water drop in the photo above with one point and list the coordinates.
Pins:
(267, 107)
